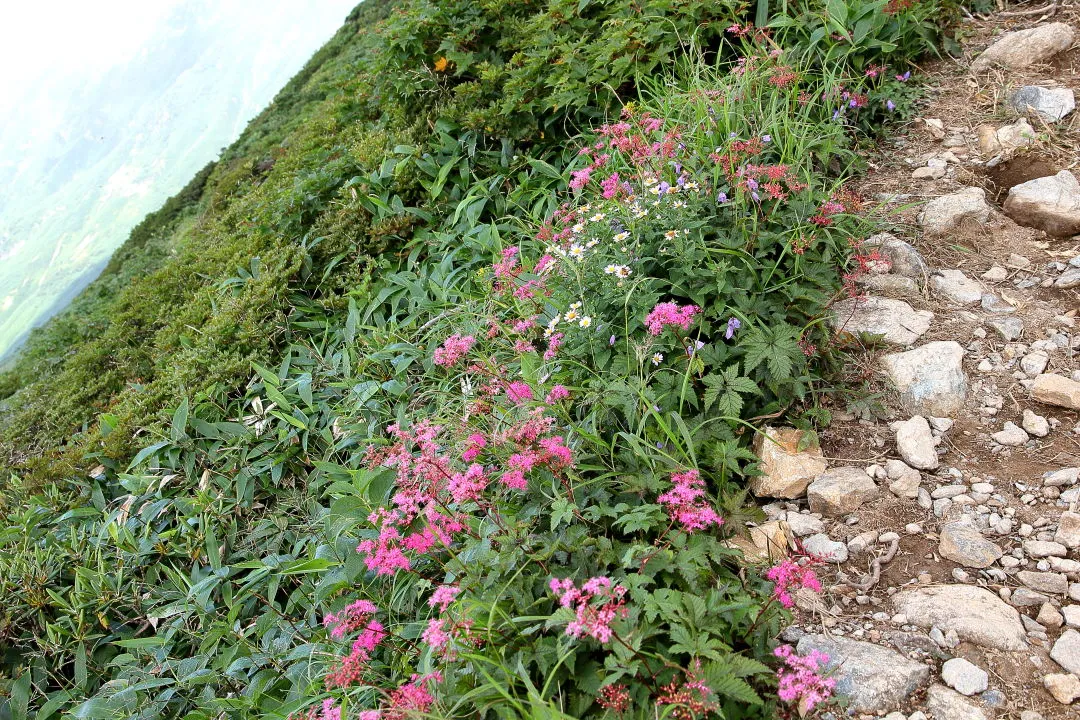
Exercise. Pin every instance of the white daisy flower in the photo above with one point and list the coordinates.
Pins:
(578, 227)
(576, 305)
(570, 316)
(585, 321)
(670, 235)
(597, 217)
(657, 358)
(611, 269)
(622, 272)
(619, 237)
(577, 251)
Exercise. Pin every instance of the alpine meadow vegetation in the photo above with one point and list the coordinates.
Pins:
(433, 396)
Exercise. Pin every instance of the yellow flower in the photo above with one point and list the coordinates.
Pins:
(671, 234)
(441, 64)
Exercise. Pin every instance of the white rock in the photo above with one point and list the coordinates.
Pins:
(947, 704)
(964, 677)
(1068, 531)
(903, 258)
(1051, 204)
(1065, 687)
(802, 524)
(947, 212)
(957, 287)
(1036, 425)
(1034, 363)
(930, 378)
(1066, 651)
(1071, 614)
(1025, 47)
(1010, 436)
(841, 491)
(1052, 104)
(995, 274)
(824, 548)
(915, 443)
(894, 320)
(977, 615)
(1044, 548)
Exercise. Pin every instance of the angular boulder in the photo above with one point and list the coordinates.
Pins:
(841, 491)
(976, 614)
(894, 320)
(873, 678)
(1051, 204)
(1057, 390)
(930, 378)
(785, 469)
(948, 212)
(1052, 104)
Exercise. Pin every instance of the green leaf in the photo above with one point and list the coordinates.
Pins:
(179, 422)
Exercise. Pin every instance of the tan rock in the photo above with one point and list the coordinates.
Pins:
(1056, 390)
(1065, 687)
(1051, 204)
(764, 543)
(1025, 47)
(786, 469)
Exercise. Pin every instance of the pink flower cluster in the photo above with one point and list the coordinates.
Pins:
(789, 576)
(687, 504)
(596, 605)
(453, 349)
(670, 314)
(557, 393)
(688, 700)
(800, 677)
(357, 616)
(326, 710)
(519, 392)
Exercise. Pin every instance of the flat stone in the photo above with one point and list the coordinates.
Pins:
(1044, 548)
(964, 677)
(1046, 582)
(1049, 616)
(873, 678)
(1071, 615)
(948, 212)
(841, 491)
(1052, 104)
(894, 320)
(1010, 436)
(974, 613)
(891, 286)
(825, 548)
(1022, 48)
(965, 545)
(1068, 532)
(931, 378)
(903, 258)
(1066, 651)
(957, 287)
(1035, 424)
(1064, 476)
(1022, 597)
(915, 443)
(802, 524)
(785, 469)
(947, 704)
(1065, 687)
(1056, 390)
(1009, 328)
(1051, 204)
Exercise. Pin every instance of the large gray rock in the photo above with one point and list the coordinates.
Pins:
(946, 704)
(956, 287)
(915, 443)
(1051, 103)
(1066, 651)
(1048, 203)
(903, 258)
(841, 491)
(976, 614)
(965, 545)
(947, 212)
(1056, 390)
(1025, 47)
(786, 468)
(874, 679)
(930, 378)
(894, 320)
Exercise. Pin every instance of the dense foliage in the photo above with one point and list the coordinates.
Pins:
(408, 313)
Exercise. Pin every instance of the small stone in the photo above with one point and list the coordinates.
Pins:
(1009, 328)
(1049, 616)
(1037, 425)
(996, 274)
(1010, 436)
(802, 524)
(1066, 651)
(964, 677)
(1022, 597)
(928, 173)
(993, 304)
(903, 258)
(930, 378)
(965, 545)
(841, 491)
(1029, 715)
(1034, 363)
(1050, 204)
(1068, 531)
(947, 704)
(947, 212)
(824, 548)
(1047, 582)
(1064, 476)
(1068, 279)
(786, 468)
(1071, 615)
(1052, 104)
(1056, 390)
(1044, 548)
(957, 287)
(1065, 687)
(915, 443)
